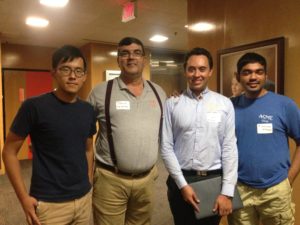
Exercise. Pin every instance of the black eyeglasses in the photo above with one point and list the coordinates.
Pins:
(135, 54)
(67, 71)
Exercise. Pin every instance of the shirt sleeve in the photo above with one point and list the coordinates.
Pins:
(229, 154)
(293, 121)
(91, 98)
(93, 128)
(24, 119)
(167, 146)
(97, 99)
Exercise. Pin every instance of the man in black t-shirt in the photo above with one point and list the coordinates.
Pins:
(61, 127)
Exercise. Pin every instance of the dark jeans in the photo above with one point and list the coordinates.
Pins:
(183, 213)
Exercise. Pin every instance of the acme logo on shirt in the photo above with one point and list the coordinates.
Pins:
(265, 118)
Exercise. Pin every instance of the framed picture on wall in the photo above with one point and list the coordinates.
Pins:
(111, 74)
(272, 50)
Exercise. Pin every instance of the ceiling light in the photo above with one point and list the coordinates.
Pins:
(154, 63)
(99, 58)
(54, 3)
(203, 26)
(167, 61)
(37, 22)
(113, 53)
(158, 38)
(171, 65)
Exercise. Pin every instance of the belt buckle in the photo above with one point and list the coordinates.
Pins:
(202, 173)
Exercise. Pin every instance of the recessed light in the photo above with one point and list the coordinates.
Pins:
(37, 22)
(158, 38)
(167, 61)
(99, 58)
(54, 3)
(114, 53)
(203, 26)
(171, 65)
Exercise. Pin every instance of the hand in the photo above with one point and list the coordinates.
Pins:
(190, 197)
(29, 205)
(290, 179)
(91, 178)
(223, 205)
(175, 94)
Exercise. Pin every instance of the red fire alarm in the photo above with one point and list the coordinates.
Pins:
(129, 11)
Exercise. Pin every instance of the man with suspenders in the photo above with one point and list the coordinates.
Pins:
(129, 113)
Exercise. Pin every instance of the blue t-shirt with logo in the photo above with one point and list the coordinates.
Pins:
(263, 126)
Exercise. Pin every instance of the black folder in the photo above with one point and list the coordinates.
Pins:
(207, 191)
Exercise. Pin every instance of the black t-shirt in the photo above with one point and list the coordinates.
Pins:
(58, 132)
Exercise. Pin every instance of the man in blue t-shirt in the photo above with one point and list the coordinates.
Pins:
(61, 127)
(264, 122)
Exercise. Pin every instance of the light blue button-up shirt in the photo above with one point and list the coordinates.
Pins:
(199, 134)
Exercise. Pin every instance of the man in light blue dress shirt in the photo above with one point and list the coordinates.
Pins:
(198, 139)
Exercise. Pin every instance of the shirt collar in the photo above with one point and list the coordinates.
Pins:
(123, 86)
(202, 94)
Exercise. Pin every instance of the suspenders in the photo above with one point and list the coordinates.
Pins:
(160, 105)
(108, 122)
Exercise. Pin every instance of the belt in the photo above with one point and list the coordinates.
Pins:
(117, 171)
(202, 173)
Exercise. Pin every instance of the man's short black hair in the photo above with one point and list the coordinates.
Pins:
(251, 57)
(65, 54)
(198, 51)
(131, 40)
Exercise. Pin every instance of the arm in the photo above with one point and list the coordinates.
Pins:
(293, 125)
(90, 158)
(229, 165)
(295, 167)
(170, 159)
(11, 148)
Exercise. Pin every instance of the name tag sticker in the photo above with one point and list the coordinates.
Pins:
(264, 128)
(122, 105)
(213, 117)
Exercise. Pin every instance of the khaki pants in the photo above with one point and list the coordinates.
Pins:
(119, 200)
(271, 206)
(74, 212)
